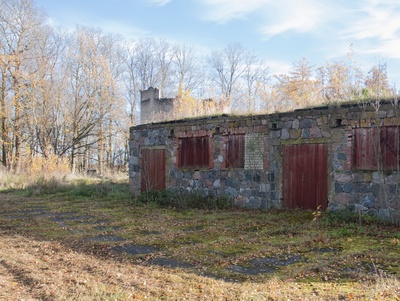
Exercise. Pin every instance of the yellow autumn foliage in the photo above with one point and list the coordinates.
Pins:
(52, 165)
(188, 106)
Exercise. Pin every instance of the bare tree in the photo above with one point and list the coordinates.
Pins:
(21, 27)
(131, 81)
(47, 103)
(164, 60)
(87, 74)
(187, 74)
(255, 78)
(226, 68)
(146, 51)
(110, 99)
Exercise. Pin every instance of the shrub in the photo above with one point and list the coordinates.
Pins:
(180, 199)
(44, 185)
(38, 175)
(39, 166)
(160, 198)
(348, 216)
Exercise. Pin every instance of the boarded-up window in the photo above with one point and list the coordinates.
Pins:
(365, 148)
(390, 147)
(194, 152)
(235, 151)
(376, 147)
(153, 169)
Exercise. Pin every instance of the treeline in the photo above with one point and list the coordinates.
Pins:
(74, 95)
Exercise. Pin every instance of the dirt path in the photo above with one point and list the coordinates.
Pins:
(39, 270)
(33, 270)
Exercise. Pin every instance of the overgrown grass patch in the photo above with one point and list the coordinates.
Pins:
(182, 200)
(339, 251)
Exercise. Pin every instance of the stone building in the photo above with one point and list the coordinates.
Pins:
(324, 157)
(153, 108)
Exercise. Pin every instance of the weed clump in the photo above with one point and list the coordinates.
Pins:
(348, 216)
(46, 185)
(101, 190)
(183, 200)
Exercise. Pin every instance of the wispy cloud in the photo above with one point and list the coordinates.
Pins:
(159, 2)
(388, 48)
(378, 19)
(278, 67)
(125, 30)
(299, 16)
(378, 26)
(273, 17)
(224, 10)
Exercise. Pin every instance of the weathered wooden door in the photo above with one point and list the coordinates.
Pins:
(153, 169)
(305, 176)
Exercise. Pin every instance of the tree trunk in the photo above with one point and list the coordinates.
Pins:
(110, 163)
(4, 136)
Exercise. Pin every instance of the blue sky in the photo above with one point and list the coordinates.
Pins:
(279, 31)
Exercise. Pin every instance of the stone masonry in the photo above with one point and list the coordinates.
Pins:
(258, 184)
(154, 108)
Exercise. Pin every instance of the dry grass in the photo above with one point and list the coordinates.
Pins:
(35, 267)
(43, 270)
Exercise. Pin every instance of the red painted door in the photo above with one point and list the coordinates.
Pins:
(305, 176)
(153, 169)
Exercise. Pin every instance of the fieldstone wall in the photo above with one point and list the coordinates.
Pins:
(259, 183)
(252, 186)
(375, 192)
